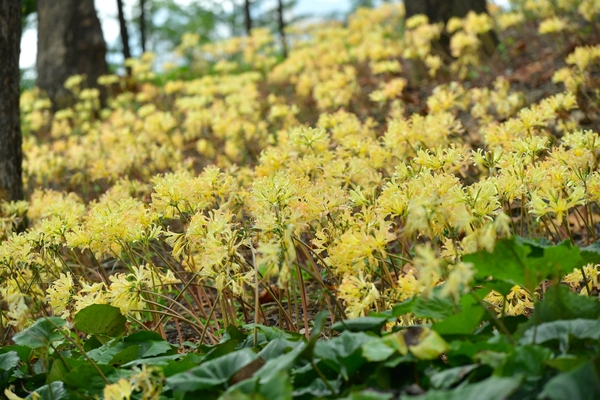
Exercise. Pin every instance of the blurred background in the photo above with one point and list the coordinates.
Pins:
(167, 20)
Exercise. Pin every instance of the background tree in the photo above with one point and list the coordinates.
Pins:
(70, 42)
(142, 9)
(124, 33)
(11, 181)
(443, 10)
(247, 17)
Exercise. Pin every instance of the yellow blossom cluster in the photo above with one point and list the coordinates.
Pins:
(172, 200)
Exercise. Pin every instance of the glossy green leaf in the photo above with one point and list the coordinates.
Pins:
(581, 383)
(524, 263)
(53, 391)
(449, 377)
(100, 319)
(9, 360)
(560, 303)
(433, 307)
(465, 322)
(377, 350)
(212, 373)
(362, 324)
(493, 388)
(43, 332)
(562, 331)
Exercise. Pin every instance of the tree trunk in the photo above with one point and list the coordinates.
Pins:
(281, 27)
(124, 33)
(247, 17)
(11, 156)
(443, 10)
(70, 42)
(143, 24)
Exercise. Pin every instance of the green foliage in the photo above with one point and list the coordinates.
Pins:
(465, 354)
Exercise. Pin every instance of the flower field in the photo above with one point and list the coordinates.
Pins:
(377, 216)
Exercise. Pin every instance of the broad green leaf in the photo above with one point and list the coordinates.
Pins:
(53, 391)
(560, 303)
(369, 395)
(159, 361)
(377, 350)
(85, 376)
(362, 324)
(433, 307)
(581, 383)
(276, 348)
(105, 353)
(24, 352)
(403, 308)
(424, 343)
(450, 377)
(61, 366)
(277, 387)
(151, 344)
(126, 355)
(524, 263)
(567, 362)
(284, 362)
(528, 360)
(590, 254)
(213, 373)
(465, 322)
(493, 388)
(343, 353)
(9, 360)
(562, 331)
(43, 332)
(100, 319)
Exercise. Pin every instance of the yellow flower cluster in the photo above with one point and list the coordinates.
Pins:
(267, 174)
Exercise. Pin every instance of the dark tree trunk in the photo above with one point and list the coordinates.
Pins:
(281, 27)
(247, 17)
(11, 156)
(143, 24)
(443, 10)
(70, 42)
(124, 33)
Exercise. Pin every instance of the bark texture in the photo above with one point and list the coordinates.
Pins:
(124, 32)
(443, 10)
(247, 17)
(281, 27)
(11, 156)
(143, 25)
(70, 42)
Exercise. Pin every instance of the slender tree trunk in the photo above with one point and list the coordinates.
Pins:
(281, 27)
(11, 156)
(124, 33)
(70, 42)
(143, 24)
(443, 10)
(247, 17)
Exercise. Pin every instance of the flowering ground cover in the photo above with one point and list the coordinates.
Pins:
(439, 206)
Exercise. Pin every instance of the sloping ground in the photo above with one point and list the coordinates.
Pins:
(361, 172)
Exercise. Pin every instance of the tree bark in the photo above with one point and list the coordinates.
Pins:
(143, 24)
(443, 10)
(124, 33)
(11, 156)
(70, 42)
(247, 17)
(281, 27)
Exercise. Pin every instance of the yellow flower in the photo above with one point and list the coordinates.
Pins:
(121, 390)
(59, 295)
